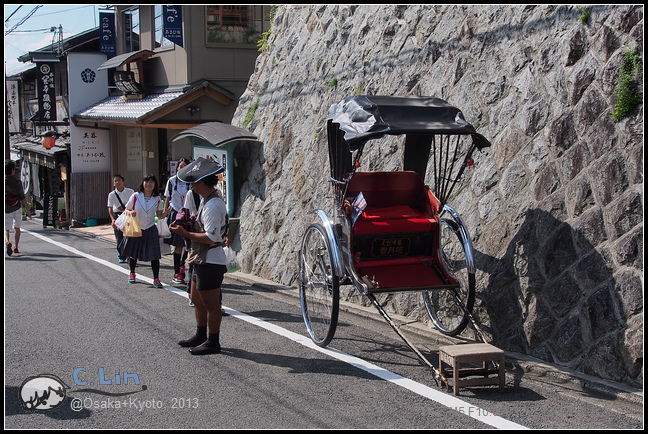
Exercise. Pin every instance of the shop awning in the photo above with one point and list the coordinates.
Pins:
(133, 56)
(38, 154)
(142, 112)
(216, 133)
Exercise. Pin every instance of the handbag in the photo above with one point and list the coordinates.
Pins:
(120, 221)
(132, 228)
(163, 228)
(232, 262)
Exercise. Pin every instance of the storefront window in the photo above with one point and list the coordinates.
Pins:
(236, 24)
(160, 41)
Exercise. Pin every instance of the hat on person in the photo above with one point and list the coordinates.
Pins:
(199, 169)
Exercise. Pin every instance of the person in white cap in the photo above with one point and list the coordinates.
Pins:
(206, 240)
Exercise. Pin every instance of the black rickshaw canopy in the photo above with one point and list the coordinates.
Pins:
(364, 118)
(434, 131)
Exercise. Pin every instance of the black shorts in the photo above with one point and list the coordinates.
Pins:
(208, 276)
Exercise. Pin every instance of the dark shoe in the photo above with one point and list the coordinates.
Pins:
(205, 348)
(15, 250)
(9, 250)
(197, 339)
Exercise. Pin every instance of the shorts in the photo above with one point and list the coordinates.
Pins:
(13, 219)
(208, 276)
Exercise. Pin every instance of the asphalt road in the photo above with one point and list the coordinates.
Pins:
(71, 316)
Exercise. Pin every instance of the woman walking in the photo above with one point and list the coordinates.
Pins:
(144, 205)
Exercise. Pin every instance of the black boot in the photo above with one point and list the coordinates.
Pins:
(197, 339)
(210, 346)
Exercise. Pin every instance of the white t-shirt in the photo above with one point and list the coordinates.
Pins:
(146, 208)
(123, 195)
(176, 190)
(214, 220)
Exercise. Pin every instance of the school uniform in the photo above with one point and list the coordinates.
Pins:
(146, 247)
(117, 201)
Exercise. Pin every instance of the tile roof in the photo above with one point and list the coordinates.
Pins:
(115, 108)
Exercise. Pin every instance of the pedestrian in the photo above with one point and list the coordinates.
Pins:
(175, 194)
(144, 205)
(14, 201)
(116, 200)
(206, 241)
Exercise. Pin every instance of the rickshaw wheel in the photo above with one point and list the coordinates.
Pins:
(319, 285)
(443, 304)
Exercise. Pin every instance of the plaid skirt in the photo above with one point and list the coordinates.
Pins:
(144, 248)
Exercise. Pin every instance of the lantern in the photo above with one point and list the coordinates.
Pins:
(48, 139)
(48, 142)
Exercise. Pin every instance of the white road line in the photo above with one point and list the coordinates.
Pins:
(442, 398)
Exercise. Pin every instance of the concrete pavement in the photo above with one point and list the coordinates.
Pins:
(515, 362)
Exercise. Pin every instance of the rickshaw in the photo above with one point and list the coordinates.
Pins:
(391, 232)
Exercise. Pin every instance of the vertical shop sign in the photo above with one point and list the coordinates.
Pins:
(13, 108)
(172, 16)
(107, 33)
(46, 92)
(134, 149)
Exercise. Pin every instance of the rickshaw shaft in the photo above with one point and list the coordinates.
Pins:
(420, 355)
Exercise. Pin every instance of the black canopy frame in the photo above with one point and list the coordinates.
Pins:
(434, 130)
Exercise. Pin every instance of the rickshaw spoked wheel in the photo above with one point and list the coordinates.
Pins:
(319, 286)
(443, 305)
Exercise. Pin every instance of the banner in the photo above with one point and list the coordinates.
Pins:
(172, 16)
(46, 92)
(13, 107)
(107, 34)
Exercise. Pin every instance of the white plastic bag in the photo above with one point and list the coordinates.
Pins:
(120, 221)
(163, 228)
(232, 262)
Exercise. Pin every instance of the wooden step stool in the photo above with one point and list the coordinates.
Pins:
(453, 355)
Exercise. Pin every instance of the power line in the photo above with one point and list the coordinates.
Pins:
(23, 20)
(12, 14)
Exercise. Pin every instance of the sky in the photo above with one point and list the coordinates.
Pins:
(35, 32)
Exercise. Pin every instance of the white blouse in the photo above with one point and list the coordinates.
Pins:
(146, 208)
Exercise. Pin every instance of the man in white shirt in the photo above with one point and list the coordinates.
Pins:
(116, 200)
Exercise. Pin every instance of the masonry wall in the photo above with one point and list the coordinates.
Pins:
(554, 207)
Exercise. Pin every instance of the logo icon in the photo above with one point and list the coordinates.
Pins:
(88, 75)
(42, 392)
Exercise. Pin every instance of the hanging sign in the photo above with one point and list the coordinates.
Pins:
(172, 16)
(107, 33)
(46, 92)
(13, 109)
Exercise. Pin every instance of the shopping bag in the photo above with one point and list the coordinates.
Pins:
(120, 221)
(132, 228)
(232, 262)
(163, 228)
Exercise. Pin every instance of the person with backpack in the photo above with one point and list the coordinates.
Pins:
(206, 236)
(175, 193)
(14, 201)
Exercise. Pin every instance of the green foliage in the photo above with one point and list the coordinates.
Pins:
(626, 91)
(250, 113)
(331, 84)
(263, 43)
(585, 15)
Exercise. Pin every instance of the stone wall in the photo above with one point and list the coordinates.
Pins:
(555, 206)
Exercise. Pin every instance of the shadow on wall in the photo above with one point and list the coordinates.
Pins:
(553, 296)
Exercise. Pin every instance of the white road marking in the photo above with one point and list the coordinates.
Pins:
(442, 398)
